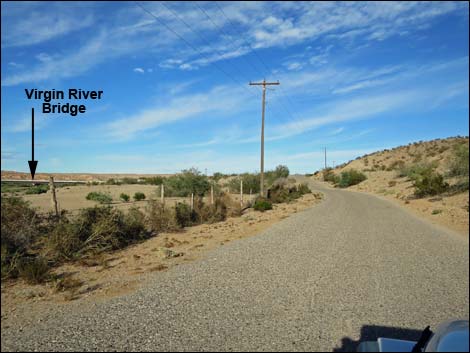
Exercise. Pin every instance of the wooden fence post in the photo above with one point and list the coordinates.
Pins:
(241, 193)
(55, 208)
(192, 202)
(162, 193)
(212, 194)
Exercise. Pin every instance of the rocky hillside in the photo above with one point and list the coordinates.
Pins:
(429, 177)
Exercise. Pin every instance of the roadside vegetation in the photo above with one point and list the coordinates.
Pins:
(346, 178)
(33, 243)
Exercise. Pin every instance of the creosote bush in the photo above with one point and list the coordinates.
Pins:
(99, 197)
(351, 177)
(139, 196)
(262, 204)
(124, 197)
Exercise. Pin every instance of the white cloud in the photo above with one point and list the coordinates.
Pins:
(139, 70)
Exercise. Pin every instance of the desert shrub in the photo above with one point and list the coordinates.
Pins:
(351, 177)
(20, 229)
(160, 218)
(158, 180)
(303, 189)
(139, 196)
(217, 176)
(262, 204)
(62, 242)
(94, 231)
(129, 181)
(281, 171)
(184, 216)
(414, 171)
(330, 176)
(189, 181)
(33, 270)
(250, 182)
(392, 183)
(124, 197)
(206, 213)
(99, 197)
(37, 189)
(134, 225)
(112, 182)
(429, 183)
(459, 164)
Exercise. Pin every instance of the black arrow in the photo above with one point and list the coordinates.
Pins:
(32, 163)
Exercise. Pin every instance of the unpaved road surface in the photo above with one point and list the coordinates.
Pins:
(352, 267)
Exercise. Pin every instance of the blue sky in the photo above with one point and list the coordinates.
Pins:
(355, 78)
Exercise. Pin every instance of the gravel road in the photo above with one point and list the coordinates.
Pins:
(352, 267)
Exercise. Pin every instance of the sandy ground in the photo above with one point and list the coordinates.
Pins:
(450, 211)
(120, 272)
(73, 198)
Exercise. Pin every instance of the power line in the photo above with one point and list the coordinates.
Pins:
(283, 96)
(201, 37)
(191, 46)
(220, 29)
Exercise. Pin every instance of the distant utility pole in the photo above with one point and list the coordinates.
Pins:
(264, 84)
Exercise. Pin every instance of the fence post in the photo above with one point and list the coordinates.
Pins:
(162, 193)
(55, 208)
(212, 194)
(192, 202)
(241, 193)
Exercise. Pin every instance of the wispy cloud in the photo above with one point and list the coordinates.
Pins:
(184, 107)
(25, 23)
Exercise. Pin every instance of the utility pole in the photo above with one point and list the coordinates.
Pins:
(264, 84)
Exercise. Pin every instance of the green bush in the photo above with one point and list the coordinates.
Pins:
(330, 176)
(351, 177)
(262, 205)
(112, 182)
(250, 182)
(429, 183)
(99, 197)
(37, 189)
(129, 181)
(139, 196)
(459, 165)
(414, 171)
(281, 171)
(124, 197)
(158, 180)
(187, 182)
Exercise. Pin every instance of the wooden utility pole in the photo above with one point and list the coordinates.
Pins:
(264, 84)
(55, 207)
